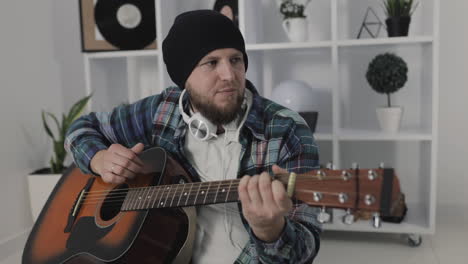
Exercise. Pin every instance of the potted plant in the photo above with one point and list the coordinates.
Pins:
(40, 187)
(388, 73)
(399, 14)
(294, 20)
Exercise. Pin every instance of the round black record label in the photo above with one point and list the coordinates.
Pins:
(126, 24)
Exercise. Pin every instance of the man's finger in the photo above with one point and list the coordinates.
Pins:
(138, 148)
(278, 170)
(266, 193)
(242, 189)
(253, 191)
(125, 163)
(280, 196)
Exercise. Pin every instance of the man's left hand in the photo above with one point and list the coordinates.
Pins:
(264, 204)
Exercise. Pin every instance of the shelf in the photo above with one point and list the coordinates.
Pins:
(385, 41)
(122, 54)
(323, 136)
(416, 221)
(289, 45)
(367, 135)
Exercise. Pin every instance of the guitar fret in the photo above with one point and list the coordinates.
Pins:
(126, 200)
(155, 197)
(151, 201)
(133, 199)
(175, 192)
(196, 196)
(162, 190)
(207, 191)
(181, 194)
(143, 198)
(138, 198)
(168, 189)
(227, 195)
(148, 198)
(188, 195)
(217, 190)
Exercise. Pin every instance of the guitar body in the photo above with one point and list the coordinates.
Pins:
(100, 233)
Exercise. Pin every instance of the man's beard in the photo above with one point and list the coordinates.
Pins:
(217, 115)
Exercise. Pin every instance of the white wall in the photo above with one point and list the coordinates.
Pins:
(453, 118)
(40, 68)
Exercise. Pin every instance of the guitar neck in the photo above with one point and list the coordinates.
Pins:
(181, 195)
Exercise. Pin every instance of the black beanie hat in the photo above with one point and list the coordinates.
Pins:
(193, 35)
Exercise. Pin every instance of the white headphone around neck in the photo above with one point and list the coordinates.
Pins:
(199, 126)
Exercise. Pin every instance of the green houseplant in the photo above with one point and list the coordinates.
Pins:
(399, 14)
(58, 138)
(387, 73)
(41, 182)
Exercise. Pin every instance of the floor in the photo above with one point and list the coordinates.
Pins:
(447, 245)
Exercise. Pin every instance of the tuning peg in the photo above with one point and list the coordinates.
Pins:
(342, 197)
(320, 174)
(348, 218)
(345, 175)
(330, 165)
(355, 166)
(323, 216)
(369, 199)
(372, 175)
(382, 165)
(376, 221)
(318, 196)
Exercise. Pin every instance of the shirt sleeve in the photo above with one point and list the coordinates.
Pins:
(300, 240)
(127, 124)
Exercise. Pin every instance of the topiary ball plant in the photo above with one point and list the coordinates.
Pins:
(387, 73)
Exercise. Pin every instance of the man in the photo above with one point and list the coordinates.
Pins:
(218, 127)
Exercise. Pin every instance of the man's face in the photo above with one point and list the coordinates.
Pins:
(216, 85)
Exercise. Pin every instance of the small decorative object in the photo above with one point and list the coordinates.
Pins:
(41, 182)
(228, 8)
(294, 20)
(371, 24)
(399, 14)
(299, 97)
(388, 73)
(117, 25)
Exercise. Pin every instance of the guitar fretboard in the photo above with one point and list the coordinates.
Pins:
(181, 195)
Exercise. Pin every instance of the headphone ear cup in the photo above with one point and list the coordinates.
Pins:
(200, 127)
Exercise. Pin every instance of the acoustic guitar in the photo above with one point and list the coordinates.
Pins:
(151, 219)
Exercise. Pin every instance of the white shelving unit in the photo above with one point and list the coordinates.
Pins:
(334, 63)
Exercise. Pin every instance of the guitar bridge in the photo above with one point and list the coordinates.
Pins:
(77, 205)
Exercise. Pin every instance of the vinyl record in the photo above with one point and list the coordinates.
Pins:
(126, 24)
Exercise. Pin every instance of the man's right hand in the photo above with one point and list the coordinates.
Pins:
(118, 163)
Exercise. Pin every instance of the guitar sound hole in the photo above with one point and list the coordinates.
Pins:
(113, 202)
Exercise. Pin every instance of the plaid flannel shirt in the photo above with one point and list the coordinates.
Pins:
(271, 135)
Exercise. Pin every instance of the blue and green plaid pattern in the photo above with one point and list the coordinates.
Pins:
(271, 135)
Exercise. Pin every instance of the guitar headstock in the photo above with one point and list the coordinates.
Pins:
(358, 190)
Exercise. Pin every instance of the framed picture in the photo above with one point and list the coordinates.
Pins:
(117, 25)
(229, 8)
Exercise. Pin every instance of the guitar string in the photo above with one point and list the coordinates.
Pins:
(172, 196)
(165, 191)
(282, 176)
(327, 178)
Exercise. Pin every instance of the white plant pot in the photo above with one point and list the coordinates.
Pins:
(389, 118)
(296, 29)
(40, 187)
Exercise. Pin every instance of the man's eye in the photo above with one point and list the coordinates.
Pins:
(210, 63)
(236, 60)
